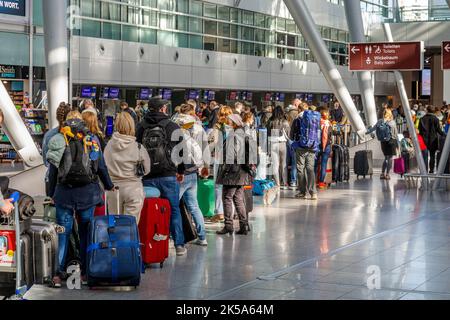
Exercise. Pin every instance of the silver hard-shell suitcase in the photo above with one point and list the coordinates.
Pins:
(44, 236)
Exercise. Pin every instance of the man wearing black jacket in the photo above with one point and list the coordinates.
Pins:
(430, 129)
(155, 133)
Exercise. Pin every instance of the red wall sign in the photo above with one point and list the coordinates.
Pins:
(382, 56)
(446, 55)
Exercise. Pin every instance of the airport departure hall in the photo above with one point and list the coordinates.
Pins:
(225, 151)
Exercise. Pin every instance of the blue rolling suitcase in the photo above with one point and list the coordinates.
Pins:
(113, 254)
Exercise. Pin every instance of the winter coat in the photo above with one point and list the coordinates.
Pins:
(79, 198)
(56, 147)
(235, 174)
(122, 155)
(151, 120)
(430, 129)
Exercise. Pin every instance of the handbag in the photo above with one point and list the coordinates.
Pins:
(140, 169)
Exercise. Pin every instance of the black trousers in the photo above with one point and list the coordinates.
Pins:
(234, 195)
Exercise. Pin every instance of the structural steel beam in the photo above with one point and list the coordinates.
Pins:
(406, 108)
(56, 55)
(356, 28)
(308, 28)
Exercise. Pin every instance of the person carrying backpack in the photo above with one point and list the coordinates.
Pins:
(305, 134)
(387, 134)
(155, 134)
(75, 172)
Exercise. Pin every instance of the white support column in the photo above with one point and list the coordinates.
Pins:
(407, 108)
(356, 29)
(308, 28)
(443, 161)
(56, 55)
(16, 131)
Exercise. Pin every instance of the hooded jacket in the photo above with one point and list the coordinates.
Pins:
(122, 155)
(151, 120)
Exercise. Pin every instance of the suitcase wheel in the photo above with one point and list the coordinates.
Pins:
(161, 265)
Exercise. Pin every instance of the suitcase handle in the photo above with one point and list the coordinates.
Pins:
(117, 191)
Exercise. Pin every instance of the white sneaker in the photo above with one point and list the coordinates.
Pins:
(181, 250)
(202, 243)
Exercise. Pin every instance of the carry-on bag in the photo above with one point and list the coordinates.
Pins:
(113, 252)
(44, 238)
(363, 163)
(206, 197)
(189, 228)
(15, 256)
(399, 166)
(154, 231)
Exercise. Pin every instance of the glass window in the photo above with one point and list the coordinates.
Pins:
(90, 29)
(260, 35)
(334, 34)
(111, 31)
(260, 50)
(260, 20)
(290, 54)
(88, 8)
(233, 46)
(247, 48)
(224, 30)
(270, 51)
(149, 3)
(183, 6)
(247, 17)
(195, 42)
(181, 40)
(195, 25)
(291, 26)
(209, 43)
(281, 24)
(224, 13)
(210, 10)
(150, 18)
(234, 31)
(110, 11)
(281, 39)
(234, 15)
(300, 55)
(291, 40)
(342, 36)
(223, 45)
(166, 5)
(166, 21)
(130, 33)
(247, 33)
(271, 23)
(182, 23)
(165, 38)
(326, 33)
(148, 35)
(211, 27)
(196, 8)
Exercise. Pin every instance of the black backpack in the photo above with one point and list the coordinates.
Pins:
(157, 143)
(77, 169)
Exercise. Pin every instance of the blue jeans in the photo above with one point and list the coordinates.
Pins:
(170, 190)
(293, 163)
(64, 218)
(188, 191)
(323, 157)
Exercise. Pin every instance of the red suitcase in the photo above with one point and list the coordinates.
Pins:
(154, 230)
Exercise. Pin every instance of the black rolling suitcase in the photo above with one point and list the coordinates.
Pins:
(363, 163)
(189, 228)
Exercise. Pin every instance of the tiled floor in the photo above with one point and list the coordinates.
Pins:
(313, 250)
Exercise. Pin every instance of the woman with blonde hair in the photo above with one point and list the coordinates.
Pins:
(216, 142)
(123, 156)
(91, 121)
(387, 134)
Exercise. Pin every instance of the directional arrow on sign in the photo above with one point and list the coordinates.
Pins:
(354, 50)
(447, 47)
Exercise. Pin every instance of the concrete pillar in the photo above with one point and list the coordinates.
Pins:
(407, 108)
(56, 55)
(308, 28)
(16, 131)
(356, 29)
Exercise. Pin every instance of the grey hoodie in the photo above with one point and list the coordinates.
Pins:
(122, 155)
